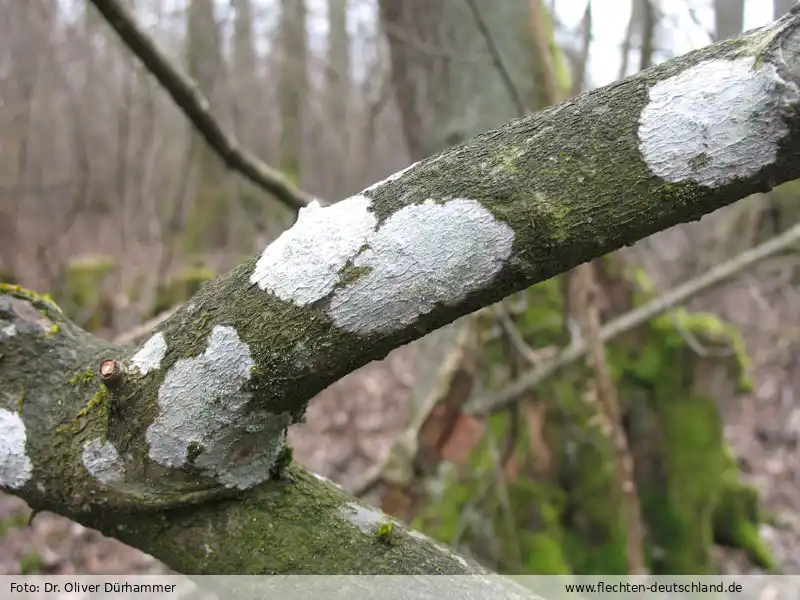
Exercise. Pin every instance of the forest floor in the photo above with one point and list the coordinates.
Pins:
(351, 425)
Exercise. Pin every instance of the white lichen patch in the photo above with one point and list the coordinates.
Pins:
(392, 177)
(15, 466)
(102, 460)
(421, 256)
(202, 408)
(149, 357)
(366, 518)
(303, 264)
(716, 122)
(8, 329)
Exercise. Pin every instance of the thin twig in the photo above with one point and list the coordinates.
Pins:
(197, 108)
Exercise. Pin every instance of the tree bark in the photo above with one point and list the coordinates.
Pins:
(177, 447)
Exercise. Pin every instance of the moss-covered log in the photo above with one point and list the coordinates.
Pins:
(199, 412)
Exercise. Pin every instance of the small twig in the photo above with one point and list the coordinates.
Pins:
(196, 107)
(513, 334)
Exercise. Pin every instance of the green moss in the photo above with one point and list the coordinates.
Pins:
(715, 332)
(282, 463)
(54, 329)
(385, 533)
(98, 405)
(84, 377)
(736, 521)
(99, 401)
(12, 521)
(20, 401)
(43, 301)
(31, 563)
(680, 500)
(544, 555)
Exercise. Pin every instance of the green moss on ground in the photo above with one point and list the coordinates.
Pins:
(31, 563)
(11, 522)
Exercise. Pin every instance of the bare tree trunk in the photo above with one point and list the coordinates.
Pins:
(401, 15)
(207, 226)
(728, 18)
(338, 82)
(649, 25)
(293, 85)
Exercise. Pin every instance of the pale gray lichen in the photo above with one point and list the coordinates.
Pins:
(149, 357)
(202, 405)
(716, 122)
(8, 329)
(423, 255)
(101, 460)
(15, 466)
(303, 264)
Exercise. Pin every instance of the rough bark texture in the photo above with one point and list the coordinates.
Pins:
(200, 414)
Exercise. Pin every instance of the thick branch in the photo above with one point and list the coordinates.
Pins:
(196, 107)
(199, 412)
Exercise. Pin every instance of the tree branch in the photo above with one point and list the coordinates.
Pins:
(196, 107)
(179, 444)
